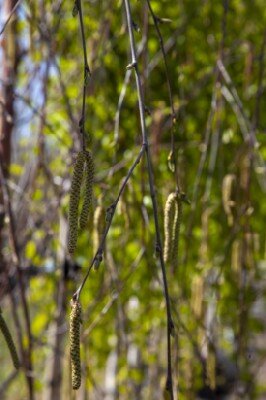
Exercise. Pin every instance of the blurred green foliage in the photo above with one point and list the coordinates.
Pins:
(217, 292)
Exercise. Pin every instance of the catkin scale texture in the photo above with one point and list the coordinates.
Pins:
(9, 341)
(74, 201)
(169, 215)
(75, 321)
(176, 231)
(87, 204)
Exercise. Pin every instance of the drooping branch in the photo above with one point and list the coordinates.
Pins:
(10, 65)
(21, 284)
(134, 65)
(110, 214)
(87, 73)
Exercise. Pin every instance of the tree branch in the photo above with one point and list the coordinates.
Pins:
(134, 64)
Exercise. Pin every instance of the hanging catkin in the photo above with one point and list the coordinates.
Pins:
(228, 196)
(75, 321)
(89, 174)
(169, 216)
(98, 226)
(197, 294)
(74, 201)
(176, 230)
(9, 341)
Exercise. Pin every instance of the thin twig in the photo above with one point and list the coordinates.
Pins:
(216, 103)
(111, 211)
(173, 160)
(248, 133)
(256, 116)
(87, 73)
(9, 17)
(21, 284)
(115, 294)
(134, 64)
(215, 141)
(7, 382)
(123, 93)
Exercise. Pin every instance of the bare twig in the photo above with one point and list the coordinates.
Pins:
(87, 72)
(230, 94)
(115, 294)
(256, 116)
(110, 214)
(134, 64)
(4, 386)
(216, 104)
(123, 93)
(10, 16)
(22, 288)
(172, 156)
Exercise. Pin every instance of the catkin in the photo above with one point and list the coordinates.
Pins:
(236, 256)
(98, 226)
(9, 341)
(75, 321)
(169, 216)
(227, 196)
(74, 201)
(176, 230)
(89, 174)
(197, 296)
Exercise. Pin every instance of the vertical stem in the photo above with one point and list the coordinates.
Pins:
(10, 63)
(86, 73)
(134, 64)
(21, 283)
(170, 94)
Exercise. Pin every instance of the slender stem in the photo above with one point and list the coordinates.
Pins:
(10, 16)
(111, 212)
(256, 115)
(86, 72)
(170, 93)
(134, 64)
(22, 289)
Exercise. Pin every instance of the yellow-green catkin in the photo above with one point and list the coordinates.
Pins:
(9, 341)
(176, 230)
(197, 296)
(98, 226)
(87, 204)
(227, 196)
(169, 216)
(74, 201)
(75, 321)
(236, 256)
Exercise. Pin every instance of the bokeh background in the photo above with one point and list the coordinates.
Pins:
(215, 53)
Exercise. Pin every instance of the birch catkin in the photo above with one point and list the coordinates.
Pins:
(87, 204)
(9, 341)
(227, 196)
(176, 230)
(98, 226)
(75, 321)
(74, 201)
(169, 216)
